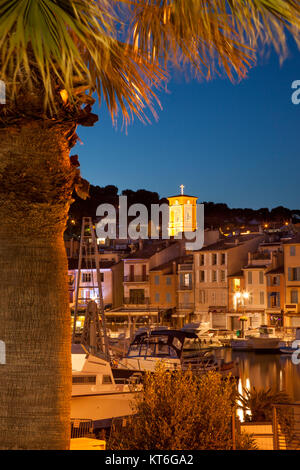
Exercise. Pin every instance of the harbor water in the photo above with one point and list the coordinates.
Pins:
(264, 371)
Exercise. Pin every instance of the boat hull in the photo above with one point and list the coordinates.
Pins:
(102, 407)
(264, 344)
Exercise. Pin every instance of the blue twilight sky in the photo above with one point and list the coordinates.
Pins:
(237, 144)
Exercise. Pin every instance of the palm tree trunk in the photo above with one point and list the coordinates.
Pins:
(36, 181)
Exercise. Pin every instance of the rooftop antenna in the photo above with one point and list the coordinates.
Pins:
(94, 335)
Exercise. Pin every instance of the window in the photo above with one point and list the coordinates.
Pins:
(223, 276)
(156, 280)
(223, 258)
(86, 277)
(186, 281)
(292, 251)
(250, 299)
(168, 281)
(106, 379)
(214, 276)
(214, 258)
(294, 274)
(261, 298)
(201, 296)
(157, 296)
(83, 379)
(294, 296)
(136, 296)
(261, 277)
(201, 260)
(274, 299)
(276, 281)
(168, 297)
(213, 298)
(201, 276)
(249, 277)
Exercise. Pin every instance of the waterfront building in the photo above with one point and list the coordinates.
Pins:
(292, 281)
(213, 265)
(142, 297)
(163, 289)
(275, 296)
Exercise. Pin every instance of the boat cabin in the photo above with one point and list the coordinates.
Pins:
(164, 344)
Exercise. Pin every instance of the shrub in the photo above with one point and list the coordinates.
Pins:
(179, 411)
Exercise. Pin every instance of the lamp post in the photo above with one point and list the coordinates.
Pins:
(239, 298)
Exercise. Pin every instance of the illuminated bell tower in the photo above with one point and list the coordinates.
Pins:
(182, 213)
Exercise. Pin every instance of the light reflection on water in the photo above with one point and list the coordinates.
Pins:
(265, 371)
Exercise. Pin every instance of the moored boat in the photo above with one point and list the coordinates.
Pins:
(95, 394)
(176, 349)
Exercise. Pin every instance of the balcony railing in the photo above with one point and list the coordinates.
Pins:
(186, 267)
(261, 255)
(186, 306)
(130, 301)
(185, 287)
(136, 278)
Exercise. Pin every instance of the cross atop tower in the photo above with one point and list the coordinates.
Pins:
(181, 189)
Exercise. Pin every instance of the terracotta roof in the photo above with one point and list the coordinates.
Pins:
(149, 250)
(179, 260)
(278, 270)
(229, 242)
(237, 274)
(294, 240)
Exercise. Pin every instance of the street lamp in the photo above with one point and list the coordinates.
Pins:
(240, 297)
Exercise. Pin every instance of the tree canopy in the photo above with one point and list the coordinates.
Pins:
(62, 51)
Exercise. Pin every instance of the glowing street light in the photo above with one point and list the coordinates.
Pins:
(240, 297)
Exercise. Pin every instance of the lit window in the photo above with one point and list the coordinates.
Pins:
(86, 277)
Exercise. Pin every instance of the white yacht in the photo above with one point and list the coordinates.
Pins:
(176, 349)
(95, 394)
(264, 339)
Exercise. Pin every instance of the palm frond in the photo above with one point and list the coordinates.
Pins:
(213, 36)
(67, 49)
(73, 46)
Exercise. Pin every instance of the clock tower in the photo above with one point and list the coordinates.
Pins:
(182, 213)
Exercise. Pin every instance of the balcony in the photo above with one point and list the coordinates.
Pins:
(185, 287)
(141, 301)
(261, 255)
(186, 267)
(136, 278)
(186, 306)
